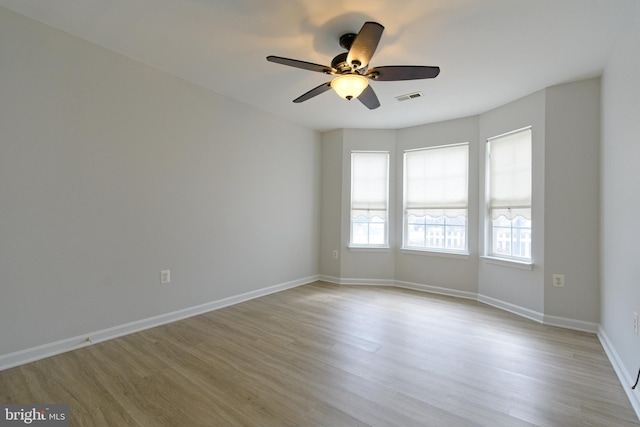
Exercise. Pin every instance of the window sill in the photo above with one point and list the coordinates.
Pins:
(504, 262)
(369, 248)
(442, 254)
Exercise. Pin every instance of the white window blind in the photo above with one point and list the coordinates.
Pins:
(369, 184)
(436, 198)
(510, 175)
(369, 198)
(436, 181)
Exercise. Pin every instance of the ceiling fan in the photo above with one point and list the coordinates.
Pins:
(351, 68)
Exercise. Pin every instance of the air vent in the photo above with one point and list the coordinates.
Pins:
(409, 96)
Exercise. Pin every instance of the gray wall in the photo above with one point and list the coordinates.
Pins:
(620, 199)
(331, 218)
(572, 211)
(111, 171)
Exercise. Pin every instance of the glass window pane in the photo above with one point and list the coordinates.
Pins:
(435, 236)
(501, 239)
(459, 220)
(360, 233)
(456, 237)
(436, 232)
(413, 219)
(434, 221)
(511, 238)
(416, 235)
(376, 234)
(377, 219)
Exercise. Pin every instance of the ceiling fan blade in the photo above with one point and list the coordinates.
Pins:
(313, 92)
(402, 72)
(301, 64)
(369, 99)
(364, 45)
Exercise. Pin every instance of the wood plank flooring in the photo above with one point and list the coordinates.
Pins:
(335, 356)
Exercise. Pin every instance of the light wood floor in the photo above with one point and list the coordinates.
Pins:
(335, 356)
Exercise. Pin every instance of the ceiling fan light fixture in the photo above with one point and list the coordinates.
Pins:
(351, 70)
(349, 86)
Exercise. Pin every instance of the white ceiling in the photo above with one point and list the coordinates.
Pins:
(490, 51)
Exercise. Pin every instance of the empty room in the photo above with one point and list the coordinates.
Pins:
(303, 213)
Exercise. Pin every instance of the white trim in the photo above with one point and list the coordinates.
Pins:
(436, 290)
(621, 371)
(442, 254)
(530, 127)
(432, 147)
(504, 262)
(367, 282)
(329, 279)
(369, 248)
(32, 354)
(512, 308)
(565, 322)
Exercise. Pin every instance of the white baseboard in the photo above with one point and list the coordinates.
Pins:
(436, 290)
(329, 279)
(512, 308)
(621, 371)
(368, 282)
(357, 282)
(51, 349)
(564, 322)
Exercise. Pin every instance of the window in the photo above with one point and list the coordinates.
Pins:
(509, 195)
(369, 199)
(436, 198)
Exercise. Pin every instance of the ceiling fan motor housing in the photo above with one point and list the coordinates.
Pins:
(346, 40)
(340, 63)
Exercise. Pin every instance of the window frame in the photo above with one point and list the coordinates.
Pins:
(405, 210)
(490, 244)
(385, 222)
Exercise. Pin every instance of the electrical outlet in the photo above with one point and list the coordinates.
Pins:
(165, 276)
(635, 323)
(558, 280)
(335, 254)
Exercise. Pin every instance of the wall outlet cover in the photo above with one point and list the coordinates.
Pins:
(558, 280)
(165, 276)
